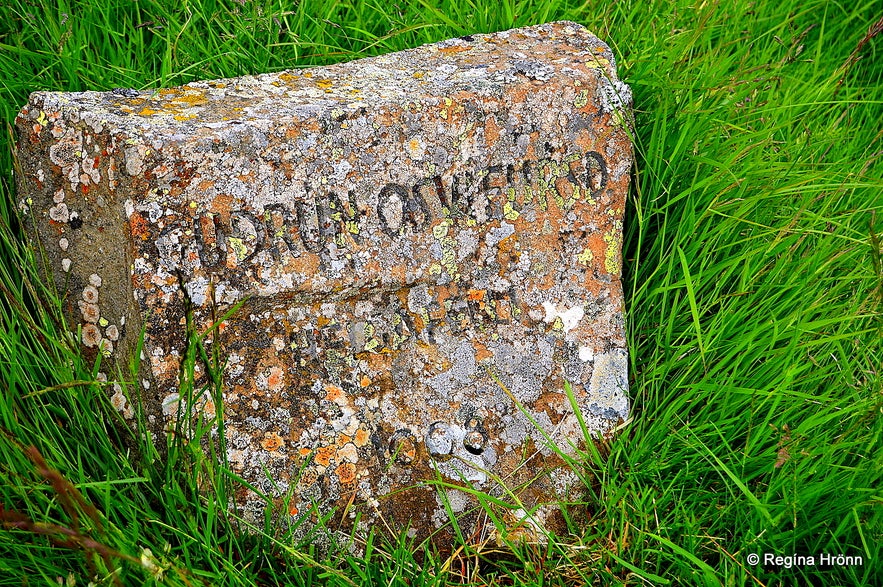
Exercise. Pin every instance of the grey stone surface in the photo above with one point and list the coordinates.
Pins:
(425, 245)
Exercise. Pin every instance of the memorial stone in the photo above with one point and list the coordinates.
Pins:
(404, 259)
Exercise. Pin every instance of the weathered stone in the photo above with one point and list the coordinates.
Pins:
(425, 247)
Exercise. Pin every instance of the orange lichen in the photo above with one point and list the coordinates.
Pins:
(454, 49)
(272, 442)
(564, 187)
(476, 294)
(419, 323)
(481, 351)
(503, 310)
(276, 379)
(491, 131)
(346, 473)
(334, 393)
(324, 455)
(585, 140)
(306, 264)
(221, 204)
(164, 366)
(191, 98)
(138, 226)
(362, 438)
(388, 117)
(308, 477)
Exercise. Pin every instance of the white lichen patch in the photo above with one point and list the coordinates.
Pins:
(121, 403)
(105, 347)
(569, 318)
(586, 354)
(135, 159)
(170, 404)
(91, 336)
(59, 213)
(90, 294)
(608, 387)
(348, 453)
(90, 312)
(197, 290)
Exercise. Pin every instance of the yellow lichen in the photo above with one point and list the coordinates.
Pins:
(238, 248)
(582, 99)
(611, 257)
(440, 230)
(192, 98)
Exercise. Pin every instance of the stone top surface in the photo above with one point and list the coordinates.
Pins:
(412, 254)
(480, 65)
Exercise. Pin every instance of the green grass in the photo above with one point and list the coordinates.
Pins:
(753, 285)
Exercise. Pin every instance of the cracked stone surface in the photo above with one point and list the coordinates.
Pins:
(423, 248)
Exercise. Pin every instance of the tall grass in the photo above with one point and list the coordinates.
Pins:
(753, 284)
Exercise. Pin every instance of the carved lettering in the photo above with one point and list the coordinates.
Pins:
(596, 173)
(344, 214)
(282, 232)
(493, 184)
(308, 224)
(210, 241)
(313, 224)
(391, 208)
(430, 191)
(246, 238)
(463, 188)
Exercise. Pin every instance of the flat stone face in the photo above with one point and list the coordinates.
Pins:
(411, 254)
